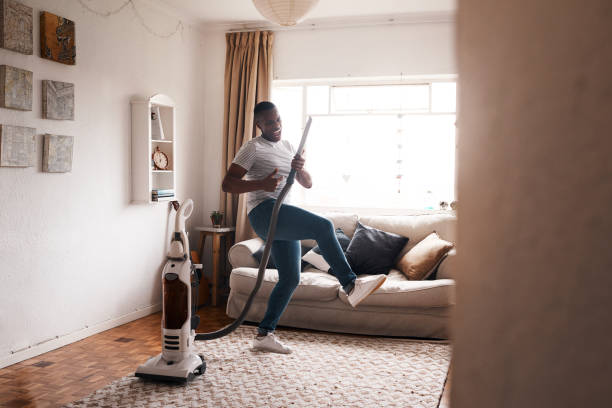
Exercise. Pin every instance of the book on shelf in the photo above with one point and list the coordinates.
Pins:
(157, 198)
(156, 194)
(160, 191)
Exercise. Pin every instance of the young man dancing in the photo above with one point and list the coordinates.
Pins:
(266, 162)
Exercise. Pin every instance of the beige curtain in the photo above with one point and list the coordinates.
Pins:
(248, 80)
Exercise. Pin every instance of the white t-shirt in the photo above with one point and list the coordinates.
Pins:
(259, 157)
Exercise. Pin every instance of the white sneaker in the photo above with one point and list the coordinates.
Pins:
(364, 287)
(270, 343)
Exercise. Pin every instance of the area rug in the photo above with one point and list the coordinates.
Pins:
(324, 370)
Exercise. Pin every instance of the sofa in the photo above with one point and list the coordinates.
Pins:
(400, 307)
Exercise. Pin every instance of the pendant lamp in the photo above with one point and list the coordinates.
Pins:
(284, 12)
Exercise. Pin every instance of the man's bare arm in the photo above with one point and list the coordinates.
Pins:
(233, 183)
(301, 175)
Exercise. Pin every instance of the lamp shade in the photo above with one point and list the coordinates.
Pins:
(284, 12)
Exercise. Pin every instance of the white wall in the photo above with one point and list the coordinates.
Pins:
(532, 326)
(385, 50)
(74, 253)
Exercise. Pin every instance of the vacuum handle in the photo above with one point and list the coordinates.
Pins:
(300, 149)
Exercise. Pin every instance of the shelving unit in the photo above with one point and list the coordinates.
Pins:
(145, 178)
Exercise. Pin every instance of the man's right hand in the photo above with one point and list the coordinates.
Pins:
(270, 183)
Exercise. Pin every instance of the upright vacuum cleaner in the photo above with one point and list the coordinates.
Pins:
(178, 361)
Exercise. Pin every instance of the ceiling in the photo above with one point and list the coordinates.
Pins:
(228, 12)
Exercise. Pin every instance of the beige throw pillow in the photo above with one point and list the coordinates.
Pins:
(424, 257)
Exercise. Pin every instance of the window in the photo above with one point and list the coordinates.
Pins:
(389, 146)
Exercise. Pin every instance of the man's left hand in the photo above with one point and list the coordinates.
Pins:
(298, 162)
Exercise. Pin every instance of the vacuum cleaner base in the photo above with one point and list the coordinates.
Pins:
(158, 369)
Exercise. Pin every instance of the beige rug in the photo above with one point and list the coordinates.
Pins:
(325, 370)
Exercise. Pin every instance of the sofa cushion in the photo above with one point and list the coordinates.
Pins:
(373, 251)
(314, 284)
(424, 257)
(397, 291)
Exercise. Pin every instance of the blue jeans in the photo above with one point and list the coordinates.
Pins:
(295, 224)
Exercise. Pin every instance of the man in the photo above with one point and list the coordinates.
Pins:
(266, 161)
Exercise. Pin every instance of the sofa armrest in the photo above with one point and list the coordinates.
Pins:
(446, 269)
(241, 253)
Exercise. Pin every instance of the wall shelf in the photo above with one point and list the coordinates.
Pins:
(145, 178)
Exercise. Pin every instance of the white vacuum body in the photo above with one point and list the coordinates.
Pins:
(177, 361)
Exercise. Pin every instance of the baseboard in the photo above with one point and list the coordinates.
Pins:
(58, 342)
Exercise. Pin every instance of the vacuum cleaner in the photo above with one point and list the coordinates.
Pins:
(178, 361)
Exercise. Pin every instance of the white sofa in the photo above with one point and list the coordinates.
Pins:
(398, 308)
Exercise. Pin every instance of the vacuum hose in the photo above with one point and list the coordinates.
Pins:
(266, 254)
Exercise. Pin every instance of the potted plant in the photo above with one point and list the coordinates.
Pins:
(216, 217)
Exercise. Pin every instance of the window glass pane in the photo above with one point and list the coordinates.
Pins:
(317, 100)
(381, 161)
(288, 101)
(384, 98)
(428, 159)
(444, 97)
(373, 159)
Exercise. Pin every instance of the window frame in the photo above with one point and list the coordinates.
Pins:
(369, 81)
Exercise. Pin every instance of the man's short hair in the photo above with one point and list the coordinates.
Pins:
(262, 107)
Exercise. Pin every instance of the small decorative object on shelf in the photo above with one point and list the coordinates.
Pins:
(217, 218)
(160, 160)
(453, 205)
(157, 131)
(443, 205)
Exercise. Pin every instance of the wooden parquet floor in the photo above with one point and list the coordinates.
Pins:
(76, 370)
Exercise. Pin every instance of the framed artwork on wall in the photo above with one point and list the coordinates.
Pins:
(57, 153)
(57, 38)
(57, 100)
(16, 21)
(15, 88)
(17, 146)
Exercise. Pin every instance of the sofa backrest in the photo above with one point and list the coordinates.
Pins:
(415, 227)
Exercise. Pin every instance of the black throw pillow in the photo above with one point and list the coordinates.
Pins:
(271, 264)
(373, 251)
